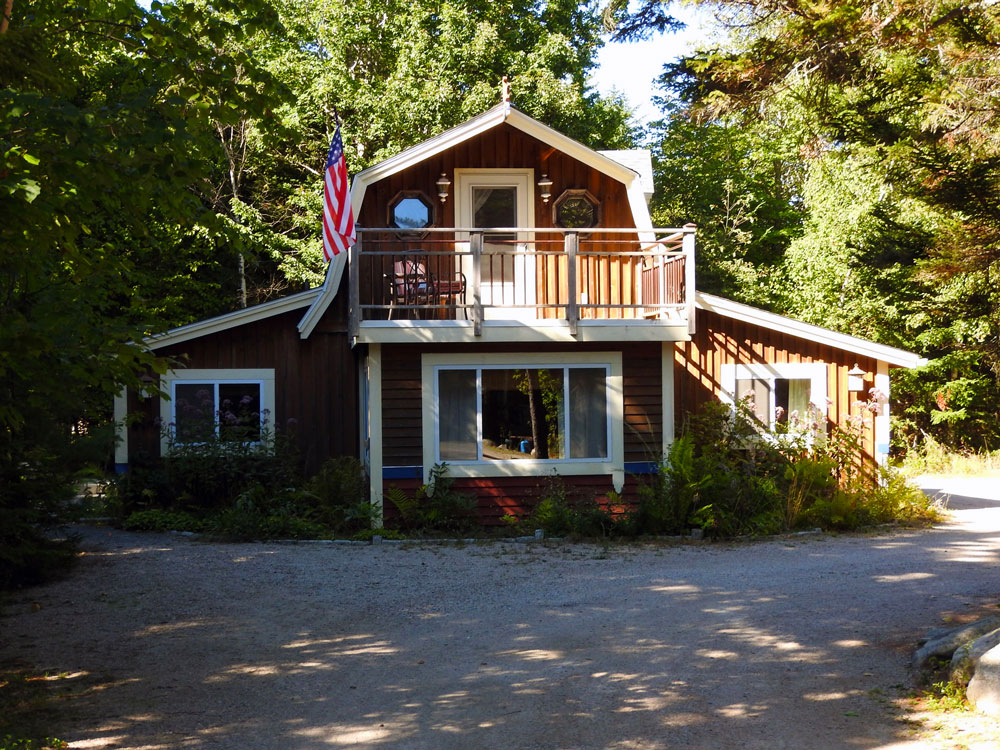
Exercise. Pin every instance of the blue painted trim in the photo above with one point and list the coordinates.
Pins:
(121, 468)
(402, 472)
(417, 472)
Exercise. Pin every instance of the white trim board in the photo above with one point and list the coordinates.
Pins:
(502, 113)
(735, 310)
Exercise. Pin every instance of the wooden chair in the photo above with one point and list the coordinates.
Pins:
(410, 284)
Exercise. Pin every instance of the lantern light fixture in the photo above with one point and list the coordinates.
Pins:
(545, 188)
(856, 379)
(443, 183)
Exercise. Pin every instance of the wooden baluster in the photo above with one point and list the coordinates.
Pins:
(476, 245)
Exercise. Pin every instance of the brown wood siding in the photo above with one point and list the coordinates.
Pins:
(497, 497)
(316, 380)
(401, 395)
(720, 341)
(604, 279)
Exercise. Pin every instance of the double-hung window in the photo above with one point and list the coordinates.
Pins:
(232, 405)
(493, 415)
(777, 394)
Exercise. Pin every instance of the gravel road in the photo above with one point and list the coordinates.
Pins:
(800, 642)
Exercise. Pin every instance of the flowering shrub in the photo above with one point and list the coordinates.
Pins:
(729, 475)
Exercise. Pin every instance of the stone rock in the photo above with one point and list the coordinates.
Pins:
(984, 688)
(946, 645)
(934, 633)
(967, 656)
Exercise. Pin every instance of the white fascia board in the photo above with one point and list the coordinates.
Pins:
(737, 311)
(325, 295)
(233, 319)
(568, 146)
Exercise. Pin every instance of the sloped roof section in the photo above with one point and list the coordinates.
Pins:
(502, 113)
(232, 320)
(640, 161)
(729, 309)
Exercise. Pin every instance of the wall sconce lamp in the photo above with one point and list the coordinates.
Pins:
(856, 379)
(443, 183)
(545, 188)
(148, 388)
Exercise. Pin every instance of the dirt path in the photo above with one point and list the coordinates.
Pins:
(796, 643)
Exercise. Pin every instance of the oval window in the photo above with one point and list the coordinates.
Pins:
(576, 209)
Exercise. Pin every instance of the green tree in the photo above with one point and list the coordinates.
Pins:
(103, 112)
(901, 232)
(397, 73)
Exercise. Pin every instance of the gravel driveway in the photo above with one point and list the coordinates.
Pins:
(802, 642)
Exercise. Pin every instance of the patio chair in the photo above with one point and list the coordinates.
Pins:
(412, 285)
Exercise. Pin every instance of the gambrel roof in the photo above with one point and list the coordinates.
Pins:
(635, 184)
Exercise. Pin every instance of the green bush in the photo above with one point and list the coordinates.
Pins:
(728, 476)
(207, 475)
(339, 492)
(261, 514)
(162, 520)
(27, 555)
(558, 515)
(436, 507)
(668, 497)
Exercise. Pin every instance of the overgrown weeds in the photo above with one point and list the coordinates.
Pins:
(932, 457)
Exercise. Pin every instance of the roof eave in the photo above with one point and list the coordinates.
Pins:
(231, 320)
(756, 316)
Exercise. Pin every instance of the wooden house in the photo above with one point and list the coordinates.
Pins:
(509, 310)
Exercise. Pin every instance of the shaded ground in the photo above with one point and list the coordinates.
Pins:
(804, 642)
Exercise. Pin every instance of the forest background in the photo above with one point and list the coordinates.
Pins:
(160, 165)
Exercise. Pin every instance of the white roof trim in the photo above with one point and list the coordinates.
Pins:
(729, 309)
(490, 119)
(233, 319)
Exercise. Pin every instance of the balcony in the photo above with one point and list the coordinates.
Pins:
(521, 284)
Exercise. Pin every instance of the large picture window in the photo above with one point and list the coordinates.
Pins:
(226, 405)
(521, 414)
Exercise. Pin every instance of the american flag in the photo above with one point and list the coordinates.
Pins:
(338, 218)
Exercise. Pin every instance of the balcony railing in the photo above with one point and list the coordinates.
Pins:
(523, 274)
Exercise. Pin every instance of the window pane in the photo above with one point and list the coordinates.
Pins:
(588, 419)
(411, 212)
(756, 394)
(239, 412)
(576, 212)
(194, 412)
(495, 207)
(522, 414)
(792, 396)
(457, 415)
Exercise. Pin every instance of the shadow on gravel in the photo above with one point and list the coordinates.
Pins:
(689, 647)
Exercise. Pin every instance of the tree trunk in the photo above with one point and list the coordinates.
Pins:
(539, 427)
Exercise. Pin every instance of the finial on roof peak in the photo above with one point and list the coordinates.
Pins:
(505, 90)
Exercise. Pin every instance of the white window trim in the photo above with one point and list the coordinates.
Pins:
(168, 408)
(815, 372)
(613, 465)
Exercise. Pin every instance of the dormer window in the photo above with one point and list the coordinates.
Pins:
(576, 209)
